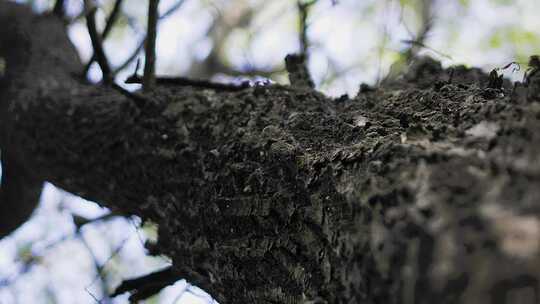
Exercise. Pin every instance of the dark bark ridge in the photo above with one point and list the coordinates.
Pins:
(422, 191)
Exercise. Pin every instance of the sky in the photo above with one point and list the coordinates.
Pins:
(358, 39)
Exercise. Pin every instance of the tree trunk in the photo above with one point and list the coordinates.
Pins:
(424, 190)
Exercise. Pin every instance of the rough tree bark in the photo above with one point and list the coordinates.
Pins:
(421, 191)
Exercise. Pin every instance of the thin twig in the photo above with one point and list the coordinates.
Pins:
(381, 47)
(140, 101)
(218, 31)
(141, 44)
(298, 71)
(80, 221)
(149, 79)
(303, 8)
(58, 9)
(198, 83)
(172, 9)
(147, 285)
(101, 267)
(108, 27)
(426, 26)
(52, 245)
(99, 270)
(132, 57)
(296, 65)
(115, 13)
(419, 44)
(101, 58)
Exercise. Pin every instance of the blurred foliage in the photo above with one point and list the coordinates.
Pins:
(352, 41)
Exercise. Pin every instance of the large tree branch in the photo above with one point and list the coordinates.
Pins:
(278, 194)
(19, 192)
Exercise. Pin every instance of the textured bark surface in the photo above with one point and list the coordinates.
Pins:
(425, 190)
